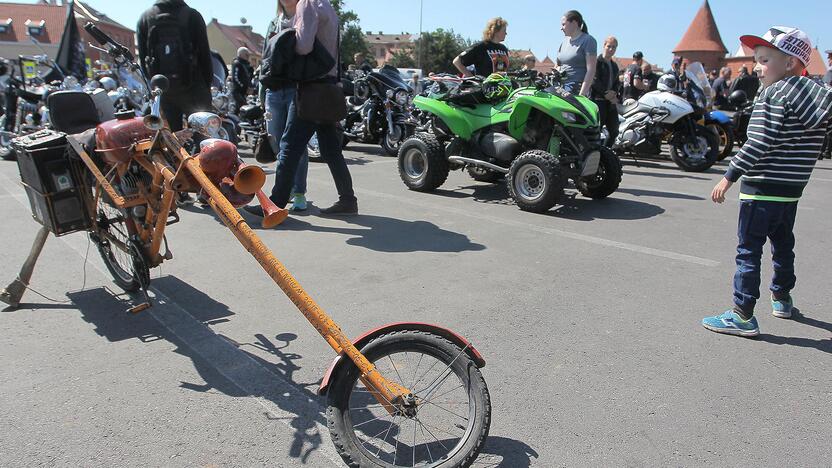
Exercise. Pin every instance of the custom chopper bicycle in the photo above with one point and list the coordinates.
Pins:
(525, 129)
(406, 394)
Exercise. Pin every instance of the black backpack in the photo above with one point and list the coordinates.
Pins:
(169, 46)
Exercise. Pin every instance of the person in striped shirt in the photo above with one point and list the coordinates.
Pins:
(785, 136)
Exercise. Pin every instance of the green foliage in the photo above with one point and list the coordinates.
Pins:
(353, 42)
(403, 58)
(438, 49)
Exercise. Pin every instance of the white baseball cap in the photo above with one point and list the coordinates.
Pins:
(790, 41)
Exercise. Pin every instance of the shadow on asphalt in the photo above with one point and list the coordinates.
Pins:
(210, 352)
(105, 311)
(574, 208)
(665, 164)
(393, 235)
(820, 345)
(663, 175)
(500, 452)
(660, 194)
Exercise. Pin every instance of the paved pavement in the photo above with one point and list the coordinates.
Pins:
(588, 318)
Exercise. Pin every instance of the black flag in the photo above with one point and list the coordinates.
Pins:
(71, 56)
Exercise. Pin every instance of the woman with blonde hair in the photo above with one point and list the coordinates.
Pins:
(489, 55)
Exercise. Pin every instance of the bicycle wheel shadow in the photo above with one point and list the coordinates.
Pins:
(223, 364)
(502, 452)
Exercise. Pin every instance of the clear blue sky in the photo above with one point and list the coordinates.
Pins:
(651, 26)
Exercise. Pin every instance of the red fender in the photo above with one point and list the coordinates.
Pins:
(372, 334)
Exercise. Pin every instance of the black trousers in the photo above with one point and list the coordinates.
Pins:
(178, 103)
(608, 117)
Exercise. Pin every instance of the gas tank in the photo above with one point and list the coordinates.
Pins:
(114, 138)
(677, 105)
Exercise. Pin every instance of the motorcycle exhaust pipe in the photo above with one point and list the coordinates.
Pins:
(477, 162)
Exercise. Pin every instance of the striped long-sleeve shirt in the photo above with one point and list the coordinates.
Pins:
(785, 136)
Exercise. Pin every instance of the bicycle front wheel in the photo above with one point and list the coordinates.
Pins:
(452, 409)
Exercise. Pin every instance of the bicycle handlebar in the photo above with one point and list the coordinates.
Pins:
(105, 40)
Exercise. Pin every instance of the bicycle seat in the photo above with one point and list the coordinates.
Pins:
(72, 111)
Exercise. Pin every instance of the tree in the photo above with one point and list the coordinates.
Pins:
(438, 49)
(403, 58)
(352, 37)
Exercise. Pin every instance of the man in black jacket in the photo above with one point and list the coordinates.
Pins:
(241, 75)
(173, 41)
(604, 90)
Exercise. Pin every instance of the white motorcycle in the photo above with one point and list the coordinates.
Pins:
(671, 114)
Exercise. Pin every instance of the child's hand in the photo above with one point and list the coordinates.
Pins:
(718, 193)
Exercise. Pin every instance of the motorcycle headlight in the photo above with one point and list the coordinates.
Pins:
(401, 97)
(206, 124)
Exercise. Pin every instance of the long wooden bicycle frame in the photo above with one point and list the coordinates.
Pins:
(159, 198)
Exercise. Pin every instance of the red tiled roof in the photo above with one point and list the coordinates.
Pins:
(53, 15)
(702, 34)
(242, 36)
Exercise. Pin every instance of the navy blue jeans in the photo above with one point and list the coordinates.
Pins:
(758, 221)
(292, 147)
(277, 105)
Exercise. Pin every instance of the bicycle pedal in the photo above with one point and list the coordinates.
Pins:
(139, 308)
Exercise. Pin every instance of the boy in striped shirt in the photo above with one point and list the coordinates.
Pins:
(785, 136)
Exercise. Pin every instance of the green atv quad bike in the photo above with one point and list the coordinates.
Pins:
(525, 130)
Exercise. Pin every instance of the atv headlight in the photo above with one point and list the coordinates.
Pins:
(401, 97)
(569, 117)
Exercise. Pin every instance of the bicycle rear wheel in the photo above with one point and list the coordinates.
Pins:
(451, 414)
(121, 256)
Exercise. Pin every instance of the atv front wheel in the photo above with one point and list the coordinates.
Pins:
(422, 163)
(481, 174)
(604, 182)
(535, 181)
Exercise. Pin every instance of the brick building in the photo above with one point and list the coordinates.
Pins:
(383, 46)
(226, 39)
(44, 21)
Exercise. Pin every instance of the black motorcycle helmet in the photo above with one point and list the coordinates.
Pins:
(737, 98)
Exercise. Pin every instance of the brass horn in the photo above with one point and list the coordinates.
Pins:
(249, 179)
(272, 215)
(153, 122)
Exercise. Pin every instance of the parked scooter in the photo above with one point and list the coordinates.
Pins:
(673, 115)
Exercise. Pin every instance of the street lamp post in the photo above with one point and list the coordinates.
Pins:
(421, 42)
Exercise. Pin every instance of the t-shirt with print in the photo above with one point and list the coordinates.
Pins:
(572, 59)
(631, 73)
(487, 57)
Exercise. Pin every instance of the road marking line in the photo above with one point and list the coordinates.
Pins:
(544, 230)
(236, 366)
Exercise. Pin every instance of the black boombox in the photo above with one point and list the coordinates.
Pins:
(53, 178)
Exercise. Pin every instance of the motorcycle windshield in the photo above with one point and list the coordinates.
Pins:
(695, 74)
(219, 70)
(391, 77)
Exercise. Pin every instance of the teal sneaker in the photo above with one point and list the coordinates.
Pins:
(731, 323)
(298, 202)
(782, 308)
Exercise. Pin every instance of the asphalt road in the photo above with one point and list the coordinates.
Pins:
(588, 318)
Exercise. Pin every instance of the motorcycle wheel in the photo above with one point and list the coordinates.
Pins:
(725, 134)
(389, 147)
(124, 262)
(606, 181)
(535, 182)
(453, 412)
(314, 149)
(422, 163)
(481, 174)
(6, 151)
(684, 153)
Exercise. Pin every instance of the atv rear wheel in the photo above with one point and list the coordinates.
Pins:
(422, 163)
(604, 182)
(535, 182)
(481, 174)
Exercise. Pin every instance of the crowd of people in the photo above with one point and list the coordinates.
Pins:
(773, 173)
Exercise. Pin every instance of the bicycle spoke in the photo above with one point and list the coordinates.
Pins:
(448, 411)
(414, 445)
(395, 369)
(416, 371)
(427, 446)
(431, 433)
(445, 393)
(371, 420)
(430, 388)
